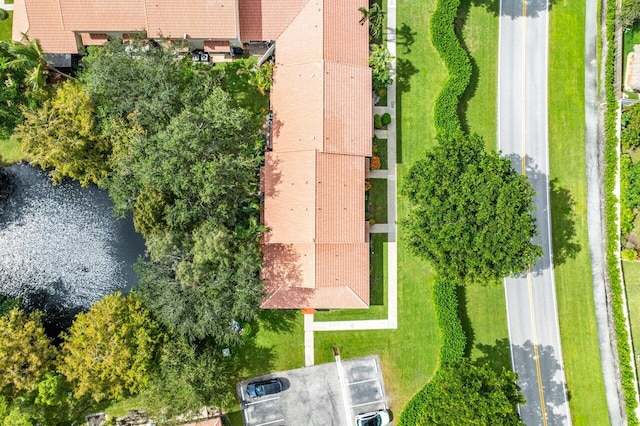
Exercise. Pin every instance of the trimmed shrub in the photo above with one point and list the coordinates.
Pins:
(452, 338)
(375, 163)
(456, 59)
(367, 185)
(629, 254)
(377, 121)
(386, 119)
(4, 15)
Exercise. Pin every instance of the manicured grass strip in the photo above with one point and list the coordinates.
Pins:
(378, 298)
(479, 103)
(378, 200)
(10, 151)
(5, 28)
(574, 285)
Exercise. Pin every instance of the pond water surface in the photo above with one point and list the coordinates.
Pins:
(61, 248)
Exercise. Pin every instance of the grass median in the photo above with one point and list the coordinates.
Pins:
(569, 215)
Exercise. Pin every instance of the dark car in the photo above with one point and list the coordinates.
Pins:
(267, 387)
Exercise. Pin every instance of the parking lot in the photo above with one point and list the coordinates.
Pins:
(320, 395)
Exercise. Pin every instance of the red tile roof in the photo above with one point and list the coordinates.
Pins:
(322, 104)
(53, 22)
(266, 19)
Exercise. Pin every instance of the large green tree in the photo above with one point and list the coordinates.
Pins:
(110, 351)
(26, 353)
(462, 393)
(193, 190)
(470, 212)
(60, 135)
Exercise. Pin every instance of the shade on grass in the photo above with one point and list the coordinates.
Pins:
(568, 216)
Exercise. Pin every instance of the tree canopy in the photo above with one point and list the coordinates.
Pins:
(109, 351)
(463, 393)
(60, 135)
(26, 353)
(470, 212)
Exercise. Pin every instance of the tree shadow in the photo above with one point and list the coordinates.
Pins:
(278, 320)
(528, 360)
(515, 10)
(465, 321)
(562, 214)
(496, 356)
(565, 245)
(405, 37)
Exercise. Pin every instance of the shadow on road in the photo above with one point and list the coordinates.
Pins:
(514, 9)
(552, 386)
(564, 241)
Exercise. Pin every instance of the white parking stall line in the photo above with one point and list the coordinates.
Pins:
(271, 422)
(367, 403)
(261, 401)
(362, 381)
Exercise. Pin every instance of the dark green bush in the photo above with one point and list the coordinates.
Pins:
(377, 121)
(452, 337)
(445, 40)
(3, 15)
(386, 119)
(628, 377)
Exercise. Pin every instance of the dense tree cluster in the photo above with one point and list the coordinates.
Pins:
(178, 146)
(470, 212)
(463, 393)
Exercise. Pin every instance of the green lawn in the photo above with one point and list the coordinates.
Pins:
(569, 223)
(10, 151)
(5, 28)
(632, 285)
(377, 204)
(408, 354)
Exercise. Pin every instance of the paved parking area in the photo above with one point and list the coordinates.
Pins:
(321, 395)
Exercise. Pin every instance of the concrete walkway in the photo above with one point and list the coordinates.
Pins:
(390, 228)
(5, 6)
(595, 218)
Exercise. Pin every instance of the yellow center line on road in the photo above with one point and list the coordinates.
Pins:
(536, 354)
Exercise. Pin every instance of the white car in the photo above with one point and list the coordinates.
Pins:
(373, 418)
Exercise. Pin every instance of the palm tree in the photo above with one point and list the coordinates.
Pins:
(28, 55)
(375, 15)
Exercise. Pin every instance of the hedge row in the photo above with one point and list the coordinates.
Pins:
(452, 337)
(628, 377)
(456, 59)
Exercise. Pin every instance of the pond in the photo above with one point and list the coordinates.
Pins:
(61, 247)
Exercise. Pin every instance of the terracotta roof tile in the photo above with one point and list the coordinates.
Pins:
(340, 198)
(347, 265)
(94, 15)
(301, 41)
(44, 22)
(288, 265)
(266, 19)
(319, 298)
(345, 42)
(348, 109)
(296, 101)
(289, 196)
(197, 18)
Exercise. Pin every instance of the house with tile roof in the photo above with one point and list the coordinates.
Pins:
(316, 249)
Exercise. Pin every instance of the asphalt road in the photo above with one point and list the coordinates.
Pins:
(522, 120)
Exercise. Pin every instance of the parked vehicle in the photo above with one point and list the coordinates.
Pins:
(373, 418)
(267, 387)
